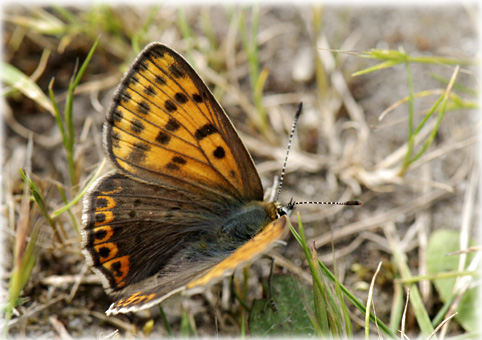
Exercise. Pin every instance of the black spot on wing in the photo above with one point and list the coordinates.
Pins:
(219, 153)
(149, 90)
(172, 125)
(176, 71)
(204, 131)
(137, 126)
(160, 80)
(179, 160)
(101, 203)
(125, 97)
(163, 138)
(138, 152)
(104, 252)
(117, 116)
(100, 234)
(143, 107)
(99, 217)
(181, 98)
(170, 106)
(197, 98)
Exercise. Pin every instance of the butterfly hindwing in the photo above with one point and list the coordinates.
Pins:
(164, 123)
(199, 274)
(133, 229)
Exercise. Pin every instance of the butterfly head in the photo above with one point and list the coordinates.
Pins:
(285, 209)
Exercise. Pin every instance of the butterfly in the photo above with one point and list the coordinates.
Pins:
(184, 206)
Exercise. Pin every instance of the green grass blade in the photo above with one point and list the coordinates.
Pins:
(68, 113)
(415, 299)
(381, 66)
(397, 308)
(58, 118)
(320, 305)
(38, 197)
(250, 45)
(13, 77)
(411, 136)
(187, 33)
(77, 198)
(441, 114)
(165, 322)
(71, 214)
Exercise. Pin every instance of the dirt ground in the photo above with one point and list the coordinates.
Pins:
(342, 150)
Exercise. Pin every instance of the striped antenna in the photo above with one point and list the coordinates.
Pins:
(355, 202)
(293, 128)
(289, 207)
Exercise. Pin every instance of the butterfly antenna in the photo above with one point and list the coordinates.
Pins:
(355, 202)
(293, 128)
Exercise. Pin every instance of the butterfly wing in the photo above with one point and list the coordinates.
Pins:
(138, 236)
(166, 127)
(133, 229)
(196, 274)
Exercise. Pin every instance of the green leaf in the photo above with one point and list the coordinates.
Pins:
(440, 244)
(292, 316)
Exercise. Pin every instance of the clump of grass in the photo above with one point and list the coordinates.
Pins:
(26, 239)
(334, 322)
(447, 98)
(257, 77)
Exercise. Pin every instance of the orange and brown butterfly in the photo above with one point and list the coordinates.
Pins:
(184, 206)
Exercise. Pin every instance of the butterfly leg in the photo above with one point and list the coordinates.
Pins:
(269, 297)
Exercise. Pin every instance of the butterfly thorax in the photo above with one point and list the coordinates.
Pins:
(245, 222)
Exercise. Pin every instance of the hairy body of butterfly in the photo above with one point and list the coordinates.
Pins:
(185, 205)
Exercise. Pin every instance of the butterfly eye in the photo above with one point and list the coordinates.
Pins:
(286, 209)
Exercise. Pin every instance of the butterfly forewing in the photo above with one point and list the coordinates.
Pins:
(164, 123)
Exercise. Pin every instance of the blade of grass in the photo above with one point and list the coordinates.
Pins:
(346, 317)
(165, 322)
(207, 28)
(439, 119)
(138, 39)
(25, 247)
(397, 308)
(71, 214)
(257, 80)
(13, 77)
(77, 198)
(404, 315)
(437, 276)
(39, 199)
(333, 314)
(44, 23)
(68, 113)
(392, 58)
(369, 302)
(326, 272)
(56, 112)
(416, 302)
(321, 315)
(187, 33)
(411, 136)
(456, 86)
(320, 72)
